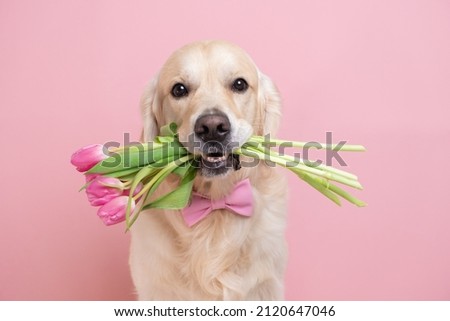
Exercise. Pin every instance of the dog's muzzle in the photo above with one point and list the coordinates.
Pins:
(213, 130)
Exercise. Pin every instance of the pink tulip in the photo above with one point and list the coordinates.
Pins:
(113, 212)
(91, 177)
(103, 189)
(136, 191)
(85, 158)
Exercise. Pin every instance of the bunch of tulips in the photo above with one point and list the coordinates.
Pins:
(121, 181)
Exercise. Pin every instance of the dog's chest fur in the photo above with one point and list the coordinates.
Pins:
(224, 256)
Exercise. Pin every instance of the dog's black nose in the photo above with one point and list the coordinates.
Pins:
(212, 127)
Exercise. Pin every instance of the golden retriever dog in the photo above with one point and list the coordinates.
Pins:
(217, 96)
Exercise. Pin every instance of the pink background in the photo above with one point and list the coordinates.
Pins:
(373, 72)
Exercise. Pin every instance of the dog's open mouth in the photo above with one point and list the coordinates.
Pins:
(215, 160)
(218, 163)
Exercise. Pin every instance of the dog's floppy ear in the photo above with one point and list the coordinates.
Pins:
(270, 104)
(148, 101)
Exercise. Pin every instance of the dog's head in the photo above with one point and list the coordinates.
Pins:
(216, 95)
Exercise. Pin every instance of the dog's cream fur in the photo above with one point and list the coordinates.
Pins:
(225, 256)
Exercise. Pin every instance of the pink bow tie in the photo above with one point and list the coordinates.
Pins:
(239, 201)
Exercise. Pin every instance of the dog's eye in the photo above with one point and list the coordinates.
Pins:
(179, 90)
(239, 85)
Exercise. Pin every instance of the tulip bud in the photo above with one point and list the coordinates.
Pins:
(136, 190)
(103, 189)
(85, 158)
(91, 177)
(114, 211)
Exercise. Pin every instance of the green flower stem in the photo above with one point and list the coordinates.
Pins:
(322, 167)
(147, 172)
(127, 183)
(283, 162)
(296, 160)
(329, 190)
(320, 184)
(346, 196)
(277, 142)
(150, 187)
(170, 167)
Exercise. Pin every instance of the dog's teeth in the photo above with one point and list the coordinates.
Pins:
(215, 159)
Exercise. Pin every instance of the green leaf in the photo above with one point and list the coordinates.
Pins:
(135, 156)
(124, 173)
(179, 197)
(151, 186)
(129, 157)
